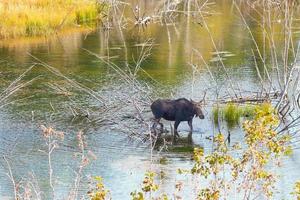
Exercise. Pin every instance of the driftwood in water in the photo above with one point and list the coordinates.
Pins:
(252, 99)
(246, 100)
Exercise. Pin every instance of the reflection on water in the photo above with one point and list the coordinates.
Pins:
(120, 162)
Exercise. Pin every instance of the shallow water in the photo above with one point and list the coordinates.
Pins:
(120, 161)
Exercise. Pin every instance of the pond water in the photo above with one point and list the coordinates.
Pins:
(121, 161)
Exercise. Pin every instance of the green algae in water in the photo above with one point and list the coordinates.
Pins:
(183, 149)
(163, 161)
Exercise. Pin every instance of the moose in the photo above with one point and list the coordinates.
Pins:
(176, 110)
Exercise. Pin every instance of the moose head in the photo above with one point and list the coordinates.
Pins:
(197, 108)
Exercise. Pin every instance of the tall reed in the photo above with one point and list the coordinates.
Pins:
(44, 17)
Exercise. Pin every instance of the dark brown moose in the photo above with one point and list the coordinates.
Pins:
(176, 110)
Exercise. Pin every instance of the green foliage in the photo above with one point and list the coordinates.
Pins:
(86, 15)
(260, 131)
(148, 187)
(216, 111)
(163, 161)
(247, 170)
(148, 183)
(98, 192)
(44, 17)
(182, 149)
(248, 111)
(163, 197)
(137, 195)
(208, 194)
(232, 114)
(264, 146)
(211, 164)
(296, 191)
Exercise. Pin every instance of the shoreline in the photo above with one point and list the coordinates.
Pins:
(43, 18)
(31, 40)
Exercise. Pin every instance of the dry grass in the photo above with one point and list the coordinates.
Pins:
(43, 17)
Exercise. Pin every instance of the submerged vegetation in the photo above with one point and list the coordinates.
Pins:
(182, 149)
(296, 192)
(44, 17)
(232, 114)
(98, 192)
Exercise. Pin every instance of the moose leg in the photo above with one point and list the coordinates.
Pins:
(175, 129)
(190, 122)
(154, 125)
(161, 127)
(156, 121)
